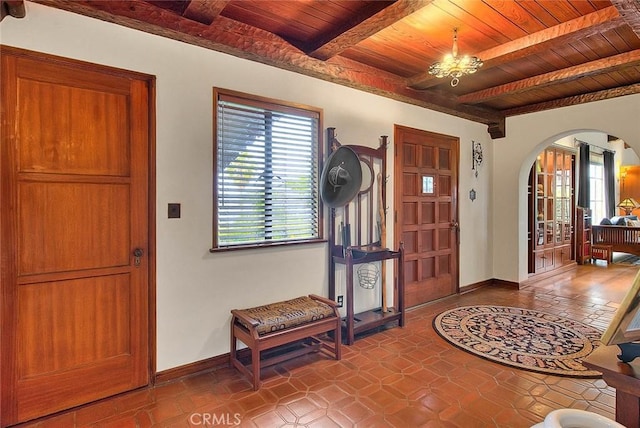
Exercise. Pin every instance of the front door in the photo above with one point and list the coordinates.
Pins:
(75, 301)
(426, 183)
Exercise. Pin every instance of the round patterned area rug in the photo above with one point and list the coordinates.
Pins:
(522, 338)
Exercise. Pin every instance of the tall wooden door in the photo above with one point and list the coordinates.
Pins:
(426, 183)
(74, 164)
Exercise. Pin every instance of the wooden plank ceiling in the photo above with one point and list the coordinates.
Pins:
(537, 54)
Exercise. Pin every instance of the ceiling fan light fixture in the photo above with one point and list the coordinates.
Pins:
(455, 66)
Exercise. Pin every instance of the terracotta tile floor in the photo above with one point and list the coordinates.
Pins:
(401, 377)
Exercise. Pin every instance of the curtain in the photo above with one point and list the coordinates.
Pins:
(609, 183)
(583, 176)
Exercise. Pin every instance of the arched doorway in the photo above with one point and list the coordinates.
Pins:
(551, 235)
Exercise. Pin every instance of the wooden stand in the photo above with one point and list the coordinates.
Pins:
(364, 321)
(624, 377)
(365, 248)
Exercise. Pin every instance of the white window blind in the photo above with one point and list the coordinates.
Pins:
(266, 173)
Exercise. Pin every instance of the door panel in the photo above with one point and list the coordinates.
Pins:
(91, 220)
(426, 202)
(75, 173)
(67, 144)
(74, 319)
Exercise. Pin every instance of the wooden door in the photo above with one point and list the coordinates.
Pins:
(426, 177)
(74, 164)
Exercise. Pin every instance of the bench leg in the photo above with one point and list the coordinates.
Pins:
(234, 344)
(255, 366)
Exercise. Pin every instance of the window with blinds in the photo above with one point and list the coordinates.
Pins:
(266, 172)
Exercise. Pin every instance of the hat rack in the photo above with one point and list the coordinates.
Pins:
(354, 240)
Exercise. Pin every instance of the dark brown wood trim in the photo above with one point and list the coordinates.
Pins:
(576, 99)
(505, 283)
(79, 64)
(204, 12)
(193, 368)
(497, 129)
(152, 232)
(243, 41)
(493, 282)
(475, 286)
(629, 11)
(383, 17)
(616, 62)
(13, 8)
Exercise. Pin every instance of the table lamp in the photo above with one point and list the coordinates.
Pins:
(628, 205)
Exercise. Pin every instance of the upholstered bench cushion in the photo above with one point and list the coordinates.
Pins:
(287, 314)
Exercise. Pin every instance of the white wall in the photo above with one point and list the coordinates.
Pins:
(527, 135)
(197, 289)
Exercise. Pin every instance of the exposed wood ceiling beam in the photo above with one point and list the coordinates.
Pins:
(244, 41)
(204, 11)
(576, 99)
(344, 38)
(13, 8)
(620, 61)
(630, 11)
(567, 32)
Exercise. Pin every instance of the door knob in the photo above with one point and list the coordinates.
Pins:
(137, 253)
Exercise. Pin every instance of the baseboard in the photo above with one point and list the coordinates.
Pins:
(505, 283)
(488, 283)
(223, 360)
(475, 286)
(192, 368)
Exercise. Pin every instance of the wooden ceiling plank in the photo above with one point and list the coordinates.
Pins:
(603, 65)
(563, 10)
(454, 14)
(567, 32)
(518, 15)
(296, 22)
(630, 12)
(576, 99)
(244, 41)
(540, 12)
(343, 38)
(585, 7)
(204, 11)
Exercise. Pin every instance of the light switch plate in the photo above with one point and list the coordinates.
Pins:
(174, 211)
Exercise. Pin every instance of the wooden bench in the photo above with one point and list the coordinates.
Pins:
(602, 252)
(302, 320)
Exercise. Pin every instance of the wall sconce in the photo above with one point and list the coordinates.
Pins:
(623, 175)
(476, 156)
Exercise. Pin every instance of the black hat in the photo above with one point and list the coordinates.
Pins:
(341, 178)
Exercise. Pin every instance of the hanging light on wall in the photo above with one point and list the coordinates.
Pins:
(455, 66)
(476, 156)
